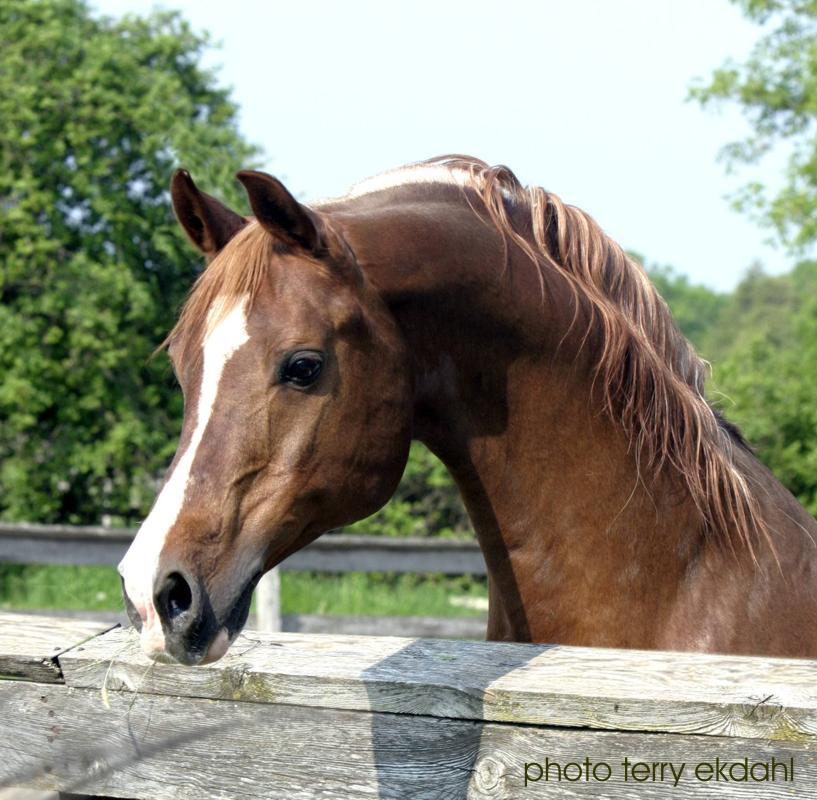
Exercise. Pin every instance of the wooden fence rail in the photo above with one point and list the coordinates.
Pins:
(30, 543)
(297, 716)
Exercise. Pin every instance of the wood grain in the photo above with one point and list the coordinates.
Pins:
(30, 645)
(423, 627)
(299, 716)
(167, 748)
(30, 543)
(758, 698)
(268, 602)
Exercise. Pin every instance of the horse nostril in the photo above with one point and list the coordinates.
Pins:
(176, 596)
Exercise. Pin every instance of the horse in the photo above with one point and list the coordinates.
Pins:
(448, 303)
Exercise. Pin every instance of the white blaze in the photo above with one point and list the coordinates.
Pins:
(140, 565)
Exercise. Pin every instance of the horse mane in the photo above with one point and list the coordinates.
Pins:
(651, 378)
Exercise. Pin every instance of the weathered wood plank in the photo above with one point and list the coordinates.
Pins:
(268, 602)
(30, 645)
(424, 627)
(57, 532)
(30, 543)
(29, 794)
(348, 553)
(565, 686)
(112, 618)
(169, 748)
(72, 551)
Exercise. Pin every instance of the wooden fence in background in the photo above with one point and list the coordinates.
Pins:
(295, 716)
(29, 543)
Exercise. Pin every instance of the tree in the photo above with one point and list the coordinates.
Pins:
(764, 345)
(695, 308)
(426, 503)
(94, 116)
(766, 380)
(762, 342)
(777, 90)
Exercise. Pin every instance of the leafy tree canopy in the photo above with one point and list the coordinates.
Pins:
(94, 116)
(426, 503)
(777, 90)
(765, 378)
(762, 342)
(695, 308)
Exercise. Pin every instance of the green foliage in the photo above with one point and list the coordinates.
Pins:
(760, 305)
(98, 589)
(765, 378)
(71, 587)
(762, 342)
(94, 115)
(777, 90)
(380, 594)
(426, 503)
(695, 308)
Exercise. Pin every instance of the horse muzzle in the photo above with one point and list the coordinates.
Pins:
(179, 623)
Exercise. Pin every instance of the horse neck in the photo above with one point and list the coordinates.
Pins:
(570, 529)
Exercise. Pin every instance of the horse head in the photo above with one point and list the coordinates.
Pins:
(297, 415)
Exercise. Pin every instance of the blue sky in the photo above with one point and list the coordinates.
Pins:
(585, 98)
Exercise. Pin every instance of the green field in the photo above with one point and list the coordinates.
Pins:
(97, 588)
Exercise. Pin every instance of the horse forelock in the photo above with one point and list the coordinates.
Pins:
(234, 275)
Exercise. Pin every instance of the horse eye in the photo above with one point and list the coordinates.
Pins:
(302, 369)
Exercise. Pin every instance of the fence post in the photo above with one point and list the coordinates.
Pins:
(268, 601)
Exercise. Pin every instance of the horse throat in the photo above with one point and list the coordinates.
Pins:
(580, 547)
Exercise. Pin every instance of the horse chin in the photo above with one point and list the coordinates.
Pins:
(215, 650)
(232, 626)
(218, 647)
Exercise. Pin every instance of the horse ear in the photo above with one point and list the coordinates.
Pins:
(208, 223)
(280, 213)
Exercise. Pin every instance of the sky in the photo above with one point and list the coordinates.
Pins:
(586, 98)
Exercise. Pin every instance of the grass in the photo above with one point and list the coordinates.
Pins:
(76, 588)
(377, 594)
